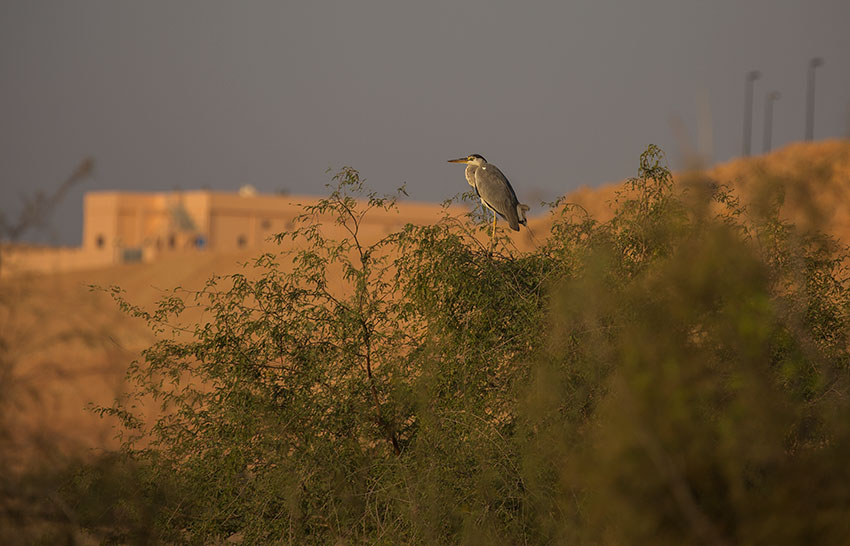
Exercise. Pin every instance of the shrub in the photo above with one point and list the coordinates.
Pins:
(675, 375)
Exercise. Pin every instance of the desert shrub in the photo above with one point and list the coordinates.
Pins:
(692, 390)
(675, 375)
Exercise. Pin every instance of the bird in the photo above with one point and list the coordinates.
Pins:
(495, 191)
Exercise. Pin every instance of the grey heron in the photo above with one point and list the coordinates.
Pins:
(494, 190)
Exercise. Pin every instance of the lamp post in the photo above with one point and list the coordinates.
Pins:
(810, 97)
(768, 118)
(752, 76)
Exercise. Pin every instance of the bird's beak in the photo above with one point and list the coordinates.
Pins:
(459, 160)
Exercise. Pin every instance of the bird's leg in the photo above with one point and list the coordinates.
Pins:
(492, 231)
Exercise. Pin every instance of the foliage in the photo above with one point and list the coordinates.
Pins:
(677, 375)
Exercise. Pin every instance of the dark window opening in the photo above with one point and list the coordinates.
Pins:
(99, 241)
(241, 241)
(131, 255)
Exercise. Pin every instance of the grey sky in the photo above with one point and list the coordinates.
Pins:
(218, 94)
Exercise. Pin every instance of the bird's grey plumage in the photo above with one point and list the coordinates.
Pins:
(494, 189)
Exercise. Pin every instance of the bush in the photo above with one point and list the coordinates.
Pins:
(675, 375)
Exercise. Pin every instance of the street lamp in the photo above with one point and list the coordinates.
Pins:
(810, 98)
(768, 118)
(752, 76)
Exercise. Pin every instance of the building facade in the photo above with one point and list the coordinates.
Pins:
(124, 227)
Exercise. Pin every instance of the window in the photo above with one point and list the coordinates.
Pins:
(241, 241)
(99, 241)
(131, 255)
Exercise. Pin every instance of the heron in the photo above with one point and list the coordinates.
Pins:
(494, 190)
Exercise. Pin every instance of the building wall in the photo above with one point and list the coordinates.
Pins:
(20, 260)
(99, 221)
(237, 222)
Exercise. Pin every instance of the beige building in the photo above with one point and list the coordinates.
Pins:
(121, 227)
(141, 226)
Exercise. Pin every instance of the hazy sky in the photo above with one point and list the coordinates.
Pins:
(218, 94)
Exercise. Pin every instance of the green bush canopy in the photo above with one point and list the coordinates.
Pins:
(675, 375)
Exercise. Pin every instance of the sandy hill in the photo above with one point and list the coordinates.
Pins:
(69, 346)
(815, 179)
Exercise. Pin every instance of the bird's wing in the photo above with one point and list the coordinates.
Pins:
(496, 192)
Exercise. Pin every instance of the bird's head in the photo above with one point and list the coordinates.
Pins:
(473, 159)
